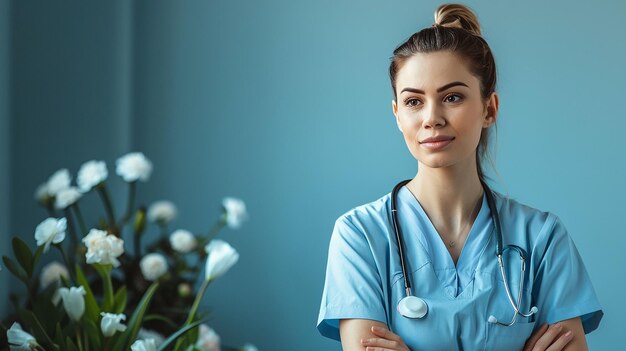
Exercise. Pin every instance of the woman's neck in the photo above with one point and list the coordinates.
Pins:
(449, 196)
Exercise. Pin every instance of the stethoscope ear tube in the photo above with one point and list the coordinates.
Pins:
(396, 227)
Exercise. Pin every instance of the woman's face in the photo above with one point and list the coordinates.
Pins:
(439, 97)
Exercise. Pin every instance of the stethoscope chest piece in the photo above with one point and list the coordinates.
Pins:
(412, 307)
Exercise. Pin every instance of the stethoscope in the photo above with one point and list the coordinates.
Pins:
(414, 307)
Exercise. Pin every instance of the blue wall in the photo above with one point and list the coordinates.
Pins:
(288, 106)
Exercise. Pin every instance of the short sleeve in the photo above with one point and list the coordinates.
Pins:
(562, 286)
(352, 287)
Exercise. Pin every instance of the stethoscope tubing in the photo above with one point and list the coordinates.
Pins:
(499, 252)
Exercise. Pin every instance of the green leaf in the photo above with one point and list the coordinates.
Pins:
(119, 301)
(157, 317)
(17, 271)
(69, 344)
(93, 334)
(92, 311)
(38, 330)
(123, 343)
(179, 333)
(23, 255)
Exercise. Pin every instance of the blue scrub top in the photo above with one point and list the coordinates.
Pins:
(364, 277)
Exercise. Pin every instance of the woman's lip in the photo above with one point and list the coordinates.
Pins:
(436, 145)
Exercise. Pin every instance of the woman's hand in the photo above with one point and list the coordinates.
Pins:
(386, 340)
(547, 338)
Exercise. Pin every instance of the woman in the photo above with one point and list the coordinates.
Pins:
(443, 80)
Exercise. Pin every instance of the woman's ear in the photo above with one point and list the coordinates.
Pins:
(491, 110)
(394, 108)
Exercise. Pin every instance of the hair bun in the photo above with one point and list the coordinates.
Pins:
(457, 16)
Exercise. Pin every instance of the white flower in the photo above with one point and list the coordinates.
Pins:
(90, 174)
(103, 248)
(144, 345)
(150, 334)
(208, 340)
(183, 241)
(221, 257)
(67, 197)
(73, 301)
(52, 273)
(235, 212)
(59, 180)
(50, 230)
(153, 266)
(41, 193)
(250, 347)
(19, 340)
(112, 323)
(162, 211)
(133, 166)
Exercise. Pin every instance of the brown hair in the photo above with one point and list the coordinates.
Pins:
(456, 29)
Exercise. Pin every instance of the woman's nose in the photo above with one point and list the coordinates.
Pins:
(433, 117)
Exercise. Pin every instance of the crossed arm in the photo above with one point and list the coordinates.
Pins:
(369, 335)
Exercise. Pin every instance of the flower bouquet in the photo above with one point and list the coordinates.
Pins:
(103, 295)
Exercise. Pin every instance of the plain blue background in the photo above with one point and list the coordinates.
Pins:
(287, 105)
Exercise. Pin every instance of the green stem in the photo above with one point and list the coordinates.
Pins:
(107, 285)
(108, 207)
(66, 259)
(214, 231)
(194, 309)
(132, 187)
(81, 220)
(72, 230)
(137, 245)
(79, 339)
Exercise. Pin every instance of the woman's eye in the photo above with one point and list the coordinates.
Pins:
(453, 98)
(412, 102)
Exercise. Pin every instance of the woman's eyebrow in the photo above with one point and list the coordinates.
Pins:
(447, 86)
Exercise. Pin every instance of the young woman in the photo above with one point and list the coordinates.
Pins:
(443, 262)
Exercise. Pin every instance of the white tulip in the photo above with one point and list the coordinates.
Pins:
(90, 174)
(134, 166)
(150, 334)
(19, 340)
(144, 345)
(183, 241)
(208, 340)
(59, 180)
(235, 212)
(250, 347)
(221, 256)
(103, 248)
(153, 266)
(67, 197)
(73, 301)
(52, 273)
(50, 230)
(162, 211)
(112, 323)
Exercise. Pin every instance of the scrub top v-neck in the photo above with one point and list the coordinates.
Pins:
(364, 278)
(415, 222)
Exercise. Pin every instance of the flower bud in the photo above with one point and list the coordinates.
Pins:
(153, 266)
(221, 256)
(111, 323)
(73, 301)
(144, 345)
(19, 339)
